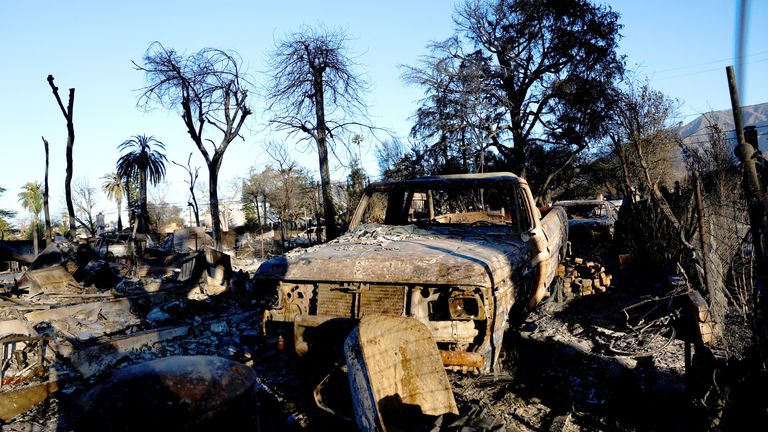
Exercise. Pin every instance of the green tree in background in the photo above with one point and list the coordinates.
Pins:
(31, 199)
(113, 187)
(145, 161)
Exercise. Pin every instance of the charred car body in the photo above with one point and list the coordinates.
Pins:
(453, 251)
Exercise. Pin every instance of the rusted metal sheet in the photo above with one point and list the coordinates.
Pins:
(22, 399)
(394, 367)
(49, 280)
(462, 359)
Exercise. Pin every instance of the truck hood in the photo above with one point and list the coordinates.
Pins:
(479, 256)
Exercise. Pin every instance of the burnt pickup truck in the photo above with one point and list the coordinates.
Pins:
(455, 252)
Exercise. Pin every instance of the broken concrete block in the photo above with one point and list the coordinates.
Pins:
(586, 283)
(578, 260)
(395, 373)
(174, 393)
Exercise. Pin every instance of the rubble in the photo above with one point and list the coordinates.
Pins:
(581, 278)
(557, 371)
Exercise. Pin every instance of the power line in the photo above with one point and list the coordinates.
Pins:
(711, 62)
(705, 71)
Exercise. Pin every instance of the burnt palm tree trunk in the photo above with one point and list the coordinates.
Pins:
(119, 216)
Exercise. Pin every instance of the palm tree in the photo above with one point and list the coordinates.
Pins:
(146, 163)
(31, 199)
(113, 187)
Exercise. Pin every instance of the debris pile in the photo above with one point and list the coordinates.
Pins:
(581, 278)
(78, 349)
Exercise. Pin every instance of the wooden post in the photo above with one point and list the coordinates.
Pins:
(702, 242)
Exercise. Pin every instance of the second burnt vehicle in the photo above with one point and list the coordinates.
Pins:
(590, 224)
(455, 252)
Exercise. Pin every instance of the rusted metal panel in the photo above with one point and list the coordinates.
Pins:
(462, 358)
(356, 302)
(49, 280)
(20, 400)
(384, 300)
(394, 365)
(335, 301)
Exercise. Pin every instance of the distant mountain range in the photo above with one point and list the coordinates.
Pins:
(696, 132)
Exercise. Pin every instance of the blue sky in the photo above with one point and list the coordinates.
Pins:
(682, 46)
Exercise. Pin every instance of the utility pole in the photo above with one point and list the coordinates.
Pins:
(755, 193)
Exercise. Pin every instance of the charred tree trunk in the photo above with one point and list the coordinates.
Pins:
(213, 177)
(67, 112)
(322, 153)
(119, 216)
(196, 210)
(192, 180)
(46, 210)
(213, 181)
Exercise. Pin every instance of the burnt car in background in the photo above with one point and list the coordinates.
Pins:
(590, 225)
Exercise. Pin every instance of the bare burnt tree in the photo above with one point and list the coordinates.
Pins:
(193, 173)
(67, 112)
(550, 69)
(207, 88)
(287, 189)
(84, 199)
(46, 211)
(314, 92)
(642, 131)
